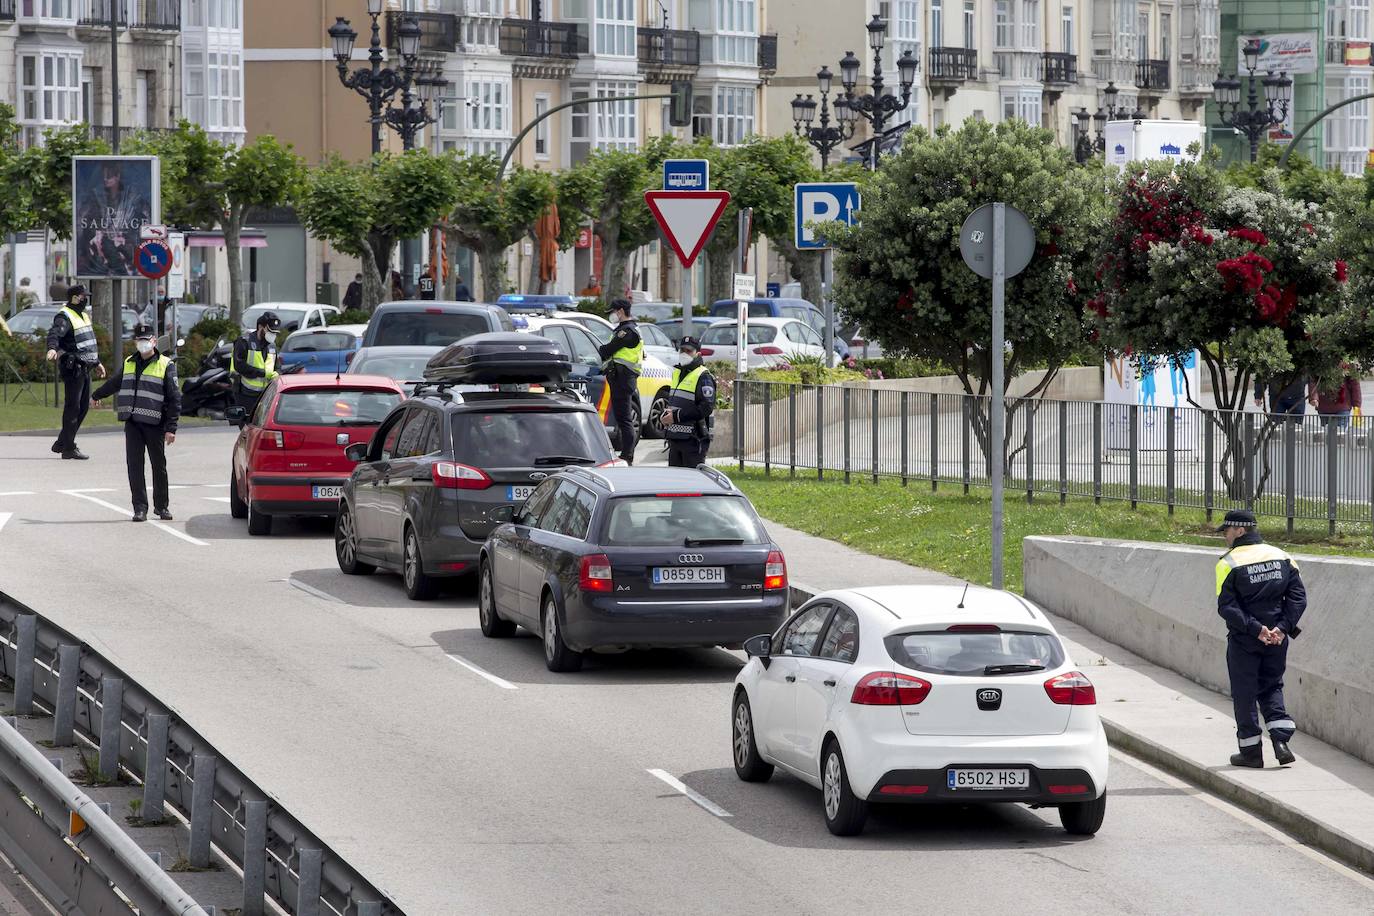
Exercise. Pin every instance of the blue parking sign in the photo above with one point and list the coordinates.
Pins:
(823, 202)
(686, 175)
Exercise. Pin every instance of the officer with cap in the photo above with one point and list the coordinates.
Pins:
(72, 345)
(622, 359)
(687, 419)
(148, 400)
(254, 361)
(1261, 597)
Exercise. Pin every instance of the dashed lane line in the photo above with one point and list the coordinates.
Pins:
(4, 517)
(124, 511)
(17, 493)
(88, 490)
(481, 672)
(678, 786)
(216, 499)
(308, 589)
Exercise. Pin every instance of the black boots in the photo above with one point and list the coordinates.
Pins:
(140, 515)
(1281, 751)
(1252, 756)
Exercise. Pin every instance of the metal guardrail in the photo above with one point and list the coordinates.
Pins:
(1291, 467)
(1058, 67)
(85, 693)
(669, 47)
(1152, 76)
(7, 10)
(952, 65)
(438, 31)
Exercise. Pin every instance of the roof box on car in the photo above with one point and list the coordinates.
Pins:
(499, 358)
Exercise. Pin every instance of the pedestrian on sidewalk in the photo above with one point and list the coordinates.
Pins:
(148, 400)
(353, 296)
(72, 345)
(1337, 403)
(1261, 597)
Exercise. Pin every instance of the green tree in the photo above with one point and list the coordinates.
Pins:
(48, 170)
(208, 184)
(1299, 178)
(489, 218)
(16, 205)
(364, 209)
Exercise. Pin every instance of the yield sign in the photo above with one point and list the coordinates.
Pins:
(687, 218)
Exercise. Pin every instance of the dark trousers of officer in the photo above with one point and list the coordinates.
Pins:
(141, 438)
(76, 388)
(1257, 681)
(246, 399)
(623, 385)
(687, 453)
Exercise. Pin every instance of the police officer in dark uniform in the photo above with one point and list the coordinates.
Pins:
(687, 418)
(254, 362)
(148, 400)
(622, 359)
(72, 345)
(1261, 597)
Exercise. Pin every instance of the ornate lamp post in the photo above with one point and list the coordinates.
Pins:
(877, 107)
(1253, 120)
(825, 137)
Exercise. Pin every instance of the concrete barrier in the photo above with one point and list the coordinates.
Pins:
(1158, 600)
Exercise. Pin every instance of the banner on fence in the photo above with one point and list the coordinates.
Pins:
(1158, 385)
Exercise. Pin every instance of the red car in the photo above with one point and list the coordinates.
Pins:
(289, 458)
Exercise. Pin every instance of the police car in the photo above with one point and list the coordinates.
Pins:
(915, 694)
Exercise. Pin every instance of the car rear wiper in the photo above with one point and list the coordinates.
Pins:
(1012, 669)
(562, 459)
(711, 542)
(358, 421)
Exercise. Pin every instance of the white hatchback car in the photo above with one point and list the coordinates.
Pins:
(771, 341)
(924, 693)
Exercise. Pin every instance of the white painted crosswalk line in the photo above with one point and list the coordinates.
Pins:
(4, 517)
(125, 511)
(17, 493)
(216, 499)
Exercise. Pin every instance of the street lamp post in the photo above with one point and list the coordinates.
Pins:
(1253, 120)
(825, 137)
(379, 85)
(1089, 146)
(877, 107)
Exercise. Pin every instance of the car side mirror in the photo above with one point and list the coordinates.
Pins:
(356, 452)
(760, 647)
(502, 514)
(236, 415)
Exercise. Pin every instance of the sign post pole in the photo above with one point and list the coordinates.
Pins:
(744, 290)
(828, 307)
(824, 202)
(999, 282)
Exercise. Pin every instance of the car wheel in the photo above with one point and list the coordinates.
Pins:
(749, 766)
(237, 507)
(557, 655)
(419, 585)
(492, 624)
(654, 428)
(346, 545)
(258, 523)
(1084, 818)
(845, 812)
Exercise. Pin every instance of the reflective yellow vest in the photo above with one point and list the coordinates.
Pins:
(683, 394)
(83, 335)
(140, 395)
(267, 362)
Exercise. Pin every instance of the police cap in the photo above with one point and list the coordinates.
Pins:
(621, 305)
(1238, 518)
(270, 319)
(144, 332)
(689, 343)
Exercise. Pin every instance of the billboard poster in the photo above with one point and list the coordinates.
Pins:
(113, 198)
(1290, 52)
(1158, 385)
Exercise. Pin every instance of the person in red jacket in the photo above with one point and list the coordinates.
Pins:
(1337, 402)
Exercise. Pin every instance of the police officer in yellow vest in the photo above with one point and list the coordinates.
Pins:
(687, 420)
(1261, 597)
(148, 400)
(622, 358)
(254, 362)
(72, 345)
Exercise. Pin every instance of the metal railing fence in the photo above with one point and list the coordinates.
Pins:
(1291, 467)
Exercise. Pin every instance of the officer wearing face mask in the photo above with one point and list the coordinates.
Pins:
(148, 400)
(623, 358)
(687, 419)
(72, 345)
(254, 362)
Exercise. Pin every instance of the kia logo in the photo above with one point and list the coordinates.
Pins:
(691, 558)
(538, 475)
(989, 696)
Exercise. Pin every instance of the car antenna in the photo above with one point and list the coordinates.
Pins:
(963, 596)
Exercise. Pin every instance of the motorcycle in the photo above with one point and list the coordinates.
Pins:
(210, 392)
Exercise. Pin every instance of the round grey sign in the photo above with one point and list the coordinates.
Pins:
(975, 241)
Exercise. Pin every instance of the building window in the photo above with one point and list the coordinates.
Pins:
(450, 115)
(1347, 130)
(48, 9)
(1030, 25)
(937, 23)
(541, 130)
(734, 119)
(970, 29)
(224, 79)
(1166, 48)
(1004, 28)
(1023, 104)
(1142, 35)
(906, 24)
(615, 28)
(49, 92)
(736, 38)
(1066, 30)
(488, 106)
(617, 124)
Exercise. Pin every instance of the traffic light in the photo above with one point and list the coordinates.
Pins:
(680, 108)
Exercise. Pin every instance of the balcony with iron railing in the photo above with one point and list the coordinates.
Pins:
(1348, 52)
(539, 38)
(438, 31)
(139, 15)
(768, 53)
(7, 10)
(1152, 77)
(1058, 68)
(952, 65)
(667, 53)
(126, 131)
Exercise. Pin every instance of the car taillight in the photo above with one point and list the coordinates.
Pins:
(1072, 688)
(768, 350)
(613, 463)
(594, 573)
(706, 351)
(450, 475)
(285, 438)
(774, 571)
(888, 688)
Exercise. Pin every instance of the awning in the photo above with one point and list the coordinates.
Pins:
(248, 238)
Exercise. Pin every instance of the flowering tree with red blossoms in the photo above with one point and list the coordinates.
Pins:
(1247, 277)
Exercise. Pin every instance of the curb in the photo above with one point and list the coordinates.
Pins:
(1281, 814)
(1299, 824)
(188, 423)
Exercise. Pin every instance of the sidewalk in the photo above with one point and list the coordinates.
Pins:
(1326, 799)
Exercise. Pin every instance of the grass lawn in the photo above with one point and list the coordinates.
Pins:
(24, 414)
(950, 532)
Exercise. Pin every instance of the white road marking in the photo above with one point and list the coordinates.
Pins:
(308, 589)
(89, 490)
(499, 682)
(4, 517)
(123, 511)
(678, 786)
(17, 493)
(216, 499)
